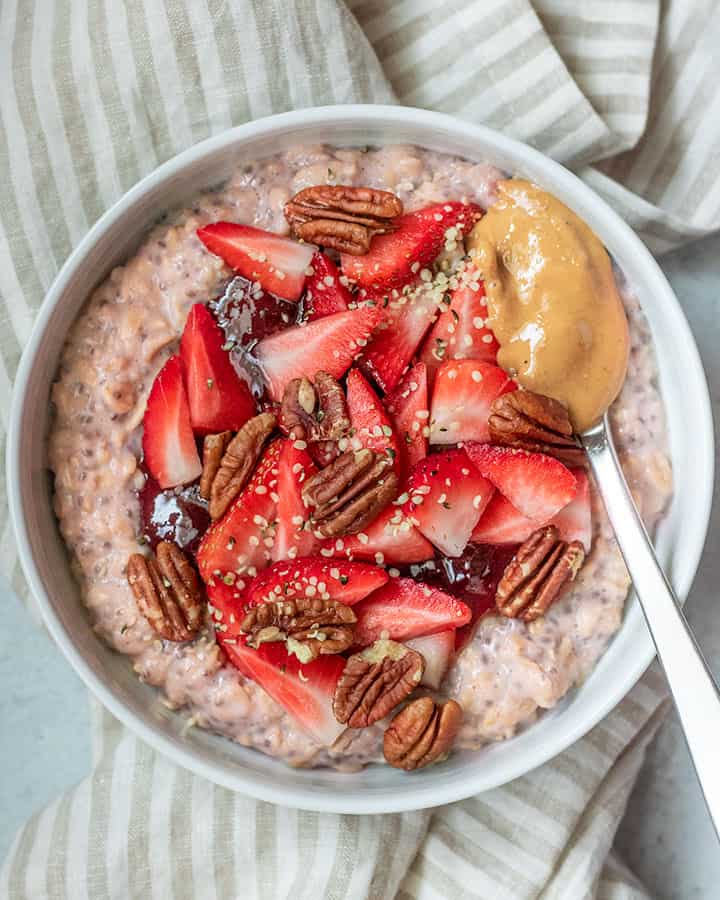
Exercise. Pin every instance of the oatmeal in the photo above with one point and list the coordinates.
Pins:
(507, 669)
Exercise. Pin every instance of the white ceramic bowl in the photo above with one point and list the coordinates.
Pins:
(110, 677)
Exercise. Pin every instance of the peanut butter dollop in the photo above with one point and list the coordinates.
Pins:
(552, 300)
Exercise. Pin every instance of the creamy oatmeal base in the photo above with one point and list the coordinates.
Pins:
(132, 324)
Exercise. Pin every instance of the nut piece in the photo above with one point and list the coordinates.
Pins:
(350, 492)
(537, 574)
(342, 217)
(530, 421)
(375, 681)
(317, 414)
(333, 420)
(422, 733)
(238, 462)
(297, 408)
(167, 592)
(311, 626)
(214, 447)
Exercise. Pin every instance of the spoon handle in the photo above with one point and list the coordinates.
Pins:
(694, 690)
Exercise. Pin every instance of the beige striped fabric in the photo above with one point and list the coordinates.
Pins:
(93, 95)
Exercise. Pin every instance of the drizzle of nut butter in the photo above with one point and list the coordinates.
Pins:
(553, 302)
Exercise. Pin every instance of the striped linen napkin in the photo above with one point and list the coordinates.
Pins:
(95, 94)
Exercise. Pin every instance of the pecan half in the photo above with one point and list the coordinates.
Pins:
(350, 492)
(214, 447)
(537, 574)
(167, 591)
(316, 413)
(238, 462)
(311, 626)
(375, 681)
(537, 423)
(422, 733)
(342, 217)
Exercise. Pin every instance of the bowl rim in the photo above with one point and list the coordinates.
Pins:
(412, 797)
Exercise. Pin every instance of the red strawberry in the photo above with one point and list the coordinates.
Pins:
(325, 294)
(461, 332)
(408, 408)
(501, 523)
(312, 576)
(447, 497)
(329, 344)
(393, 259)
(437, 650)
(168, 443)
(370, 423)
(407, 318)
(390, 540)
(404, 609)
(277, 263)
(293, 536)
(239, 543)
(462, 396)
(219, 400)
(537, 485)
(305, 690)
(574, 521)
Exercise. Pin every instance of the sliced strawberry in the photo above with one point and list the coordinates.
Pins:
(240, 543)
(462, 396)
(502, 523)
(390, 540)
(574, 521)
(325, 293)
(312, 576)
(404, 609)
(305, 690)
(409, 411)
(219, 400)
(407, 318)
(277, 263)
(370, 423)
(437, 650)
(329, 344)
(461, 332)
(447, 496)
(393, 259)
(293, 536)
(168, 443)
(537, 485)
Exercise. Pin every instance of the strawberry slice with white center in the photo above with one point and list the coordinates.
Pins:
(370, 424)
(405, 609)
(218, 398)
(168, 442)
(277, 263)
(446, 496)
(407, 319)
(312, 576)
(462, 396)
(239, 544)
(329, 344)
(461, 331)
(408, 408)
(390, 540)
(538, 486)
(305, 690)
(293, 536)
(574, 521)
(502, 523)
(394, 259)
(437, 650)
(325, 292)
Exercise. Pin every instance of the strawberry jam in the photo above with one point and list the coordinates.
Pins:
(175, 514)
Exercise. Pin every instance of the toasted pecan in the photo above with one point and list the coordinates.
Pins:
(534, 422)
(422, 733)
(238, 461)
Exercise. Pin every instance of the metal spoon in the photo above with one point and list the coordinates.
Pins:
(696, 694)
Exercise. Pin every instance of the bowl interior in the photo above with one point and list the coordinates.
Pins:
(377, 789)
